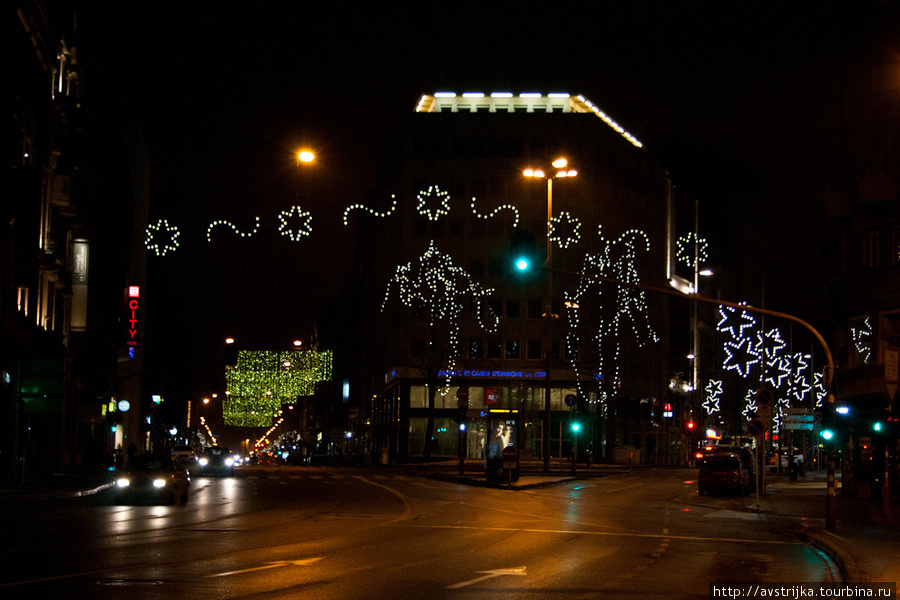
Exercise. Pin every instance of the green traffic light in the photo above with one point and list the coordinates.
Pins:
(827, 434)
(877, 426)
(576, 426)
(523, 264)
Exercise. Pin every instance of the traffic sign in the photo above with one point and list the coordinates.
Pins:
(764, 398)
(756, 428)
(570, 400)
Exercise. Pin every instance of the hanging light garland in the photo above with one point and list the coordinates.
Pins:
(222, 222)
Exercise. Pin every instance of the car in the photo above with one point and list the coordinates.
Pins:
(723, 472)
(748, 457)
(216, 461)
(151, 477)
(185, 454)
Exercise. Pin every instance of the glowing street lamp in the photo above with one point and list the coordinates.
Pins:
(558, 171)
(305, 156)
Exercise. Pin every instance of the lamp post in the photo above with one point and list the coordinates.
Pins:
(558, 170)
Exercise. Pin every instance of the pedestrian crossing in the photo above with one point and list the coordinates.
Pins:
(328, 477)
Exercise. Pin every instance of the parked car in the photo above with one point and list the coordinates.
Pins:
(150, 477)
(748, 457)
(216, 460)
(723, 472)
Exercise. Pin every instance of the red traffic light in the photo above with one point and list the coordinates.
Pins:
(690, 425)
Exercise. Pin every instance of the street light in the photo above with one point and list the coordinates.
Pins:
(305, 156)
(558, 170)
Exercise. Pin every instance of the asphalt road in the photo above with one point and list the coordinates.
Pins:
(273, 533)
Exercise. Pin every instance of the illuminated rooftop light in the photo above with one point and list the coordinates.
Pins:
(501, 95)
(473, 94)
(445, 95)
(558, 95)
(530, 95)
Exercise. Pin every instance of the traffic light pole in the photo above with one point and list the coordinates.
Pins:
(830, 500)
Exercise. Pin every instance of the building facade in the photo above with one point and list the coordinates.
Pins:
(457, 336)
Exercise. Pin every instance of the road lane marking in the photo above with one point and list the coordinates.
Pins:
(407, 506)
(489, 575)
(272, 565)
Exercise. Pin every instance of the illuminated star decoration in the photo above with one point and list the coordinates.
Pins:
(234, 228)
(162, 238)
(821, 392)
(799, 380)
(750, 408)
(862, 339)
(387, 213)
(777, 371)
(734, 322)
(740, 355)
(443, 290)
(302, 220)
(713, 393)
(496, 210)
(570, 226)
(426, 199)
(772, 343)
(689, 245)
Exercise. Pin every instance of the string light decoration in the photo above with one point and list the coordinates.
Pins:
(713, 395)
(162, 238)
(495, 211)
(382, 215)
(233, 227)
(302, 229)
(443, 290)
(862, 339)
(800, 383)
(428, 197)
(734, 322)
(618, 262)
(691, 250)
(263, 380)
(777, 371)
(740, 355)
(571, 230)
(771, 344)
(750, 408)
(819, 389)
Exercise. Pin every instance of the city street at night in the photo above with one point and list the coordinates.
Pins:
(298, 532)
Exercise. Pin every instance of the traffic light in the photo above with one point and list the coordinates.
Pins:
(576, 427)
(690, 425)
(523, 255)
(827, 434)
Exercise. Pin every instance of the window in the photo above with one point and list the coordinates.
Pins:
(495, 308)
(476, 349)
(512, 349)
(535, 309)
(494, 349)
(512, 309)
(534, 350)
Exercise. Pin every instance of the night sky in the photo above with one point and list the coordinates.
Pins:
(226, 96)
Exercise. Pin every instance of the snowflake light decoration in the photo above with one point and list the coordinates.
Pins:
(162, 238)
(243, 234)
(570, 226)
(386, 213)
(800, 382)
(496, 210)
(685, 252)
(820, 391)
(428, 197)
(713, 394)
(303, 220)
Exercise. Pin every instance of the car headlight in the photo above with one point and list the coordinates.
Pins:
(159, 483)
(229, 462)
(204, 462)
(122, 482)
